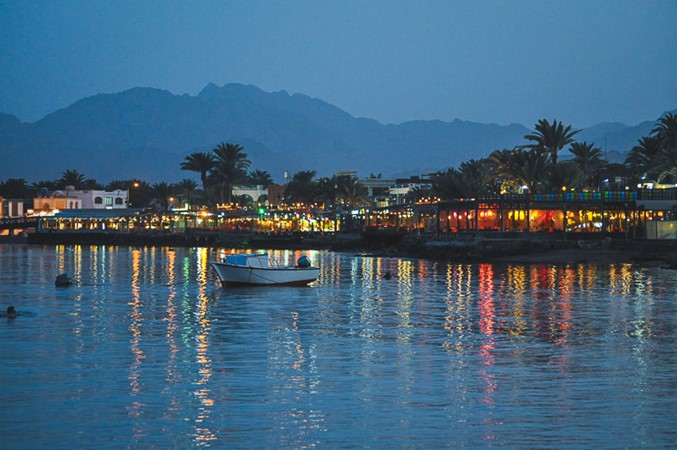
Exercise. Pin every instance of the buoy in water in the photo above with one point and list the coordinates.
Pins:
(63, 280)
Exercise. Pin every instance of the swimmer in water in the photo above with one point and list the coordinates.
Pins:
(12, 313)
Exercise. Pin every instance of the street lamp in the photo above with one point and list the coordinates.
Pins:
(564, 211)
(135, 185)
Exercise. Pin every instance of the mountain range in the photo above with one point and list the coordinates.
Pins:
(146, 133)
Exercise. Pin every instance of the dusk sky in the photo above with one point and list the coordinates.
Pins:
(582, 62)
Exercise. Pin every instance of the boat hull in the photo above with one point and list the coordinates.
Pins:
(232, 275)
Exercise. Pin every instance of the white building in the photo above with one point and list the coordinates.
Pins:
(378, 190)
(403, 186)
(84, 199)
(10, 208)
(94, 199)
(257, 193)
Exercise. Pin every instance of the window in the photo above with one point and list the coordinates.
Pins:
(98, 201)
(109, 201)
(118, 201)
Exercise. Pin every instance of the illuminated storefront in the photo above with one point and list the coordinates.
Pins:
(634, 214)
(619, 213)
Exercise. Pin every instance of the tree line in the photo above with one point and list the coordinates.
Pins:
(534, 167)
(226, 166)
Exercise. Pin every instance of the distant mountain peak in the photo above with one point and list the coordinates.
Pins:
(147, 132)
(213, 90)
(9, 119)
(210, 90)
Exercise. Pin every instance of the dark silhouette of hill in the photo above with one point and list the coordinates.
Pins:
(615, 138)
(146, 133)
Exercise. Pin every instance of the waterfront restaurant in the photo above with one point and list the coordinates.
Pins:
(644, 213)
(612, 213)
(650, 214)
(116, 220)
(290, 220)
(255, 221)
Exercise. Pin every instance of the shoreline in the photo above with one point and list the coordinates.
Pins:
(525, 251)
(470, 249)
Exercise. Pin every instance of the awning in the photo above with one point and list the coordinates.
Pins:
(102, 214)
(657, 205)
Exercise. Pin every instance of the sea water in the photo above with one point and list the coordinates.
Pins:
(146, 349)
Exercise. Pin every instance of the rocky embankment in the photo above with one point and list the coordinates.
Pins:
(525, 251)
(477, 250)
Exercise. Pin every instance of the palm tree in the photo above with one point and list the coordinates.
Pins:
(550, 138)
(566, 174)
(528, 169)
(350, 191)
(476, 176)
(666, 168)
(643, 158)
(162, 191)
(260, 178)
(243, 200)
(326, 190)
(302, 188)
(588, 158)
(470, 179)
(72, 178)
(14, 188)
(186, 187)
(498, 174)
(92, 184)
(230, 167)
(447, 185)
(668, 174)
(666, 135)
(117, 184)
(666, 131)
(199, 162)
(48, 185)
(512, 171)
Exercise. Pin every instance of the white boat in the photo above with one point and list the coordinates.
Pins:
(256, 269)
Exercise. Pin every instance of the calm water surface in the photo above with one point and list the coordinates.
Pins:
(147, 350)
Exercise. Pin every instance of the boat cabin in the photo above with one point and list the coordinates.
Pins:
(258, 260)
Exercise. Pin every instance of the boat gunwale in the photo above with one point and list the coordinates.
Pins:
(299, 283)
(273, 268)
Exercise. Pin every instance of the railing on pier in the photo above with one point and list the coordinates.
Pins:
(14, 223)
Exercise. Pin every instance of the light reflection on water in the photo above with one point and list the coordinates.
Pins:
(148, 350)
